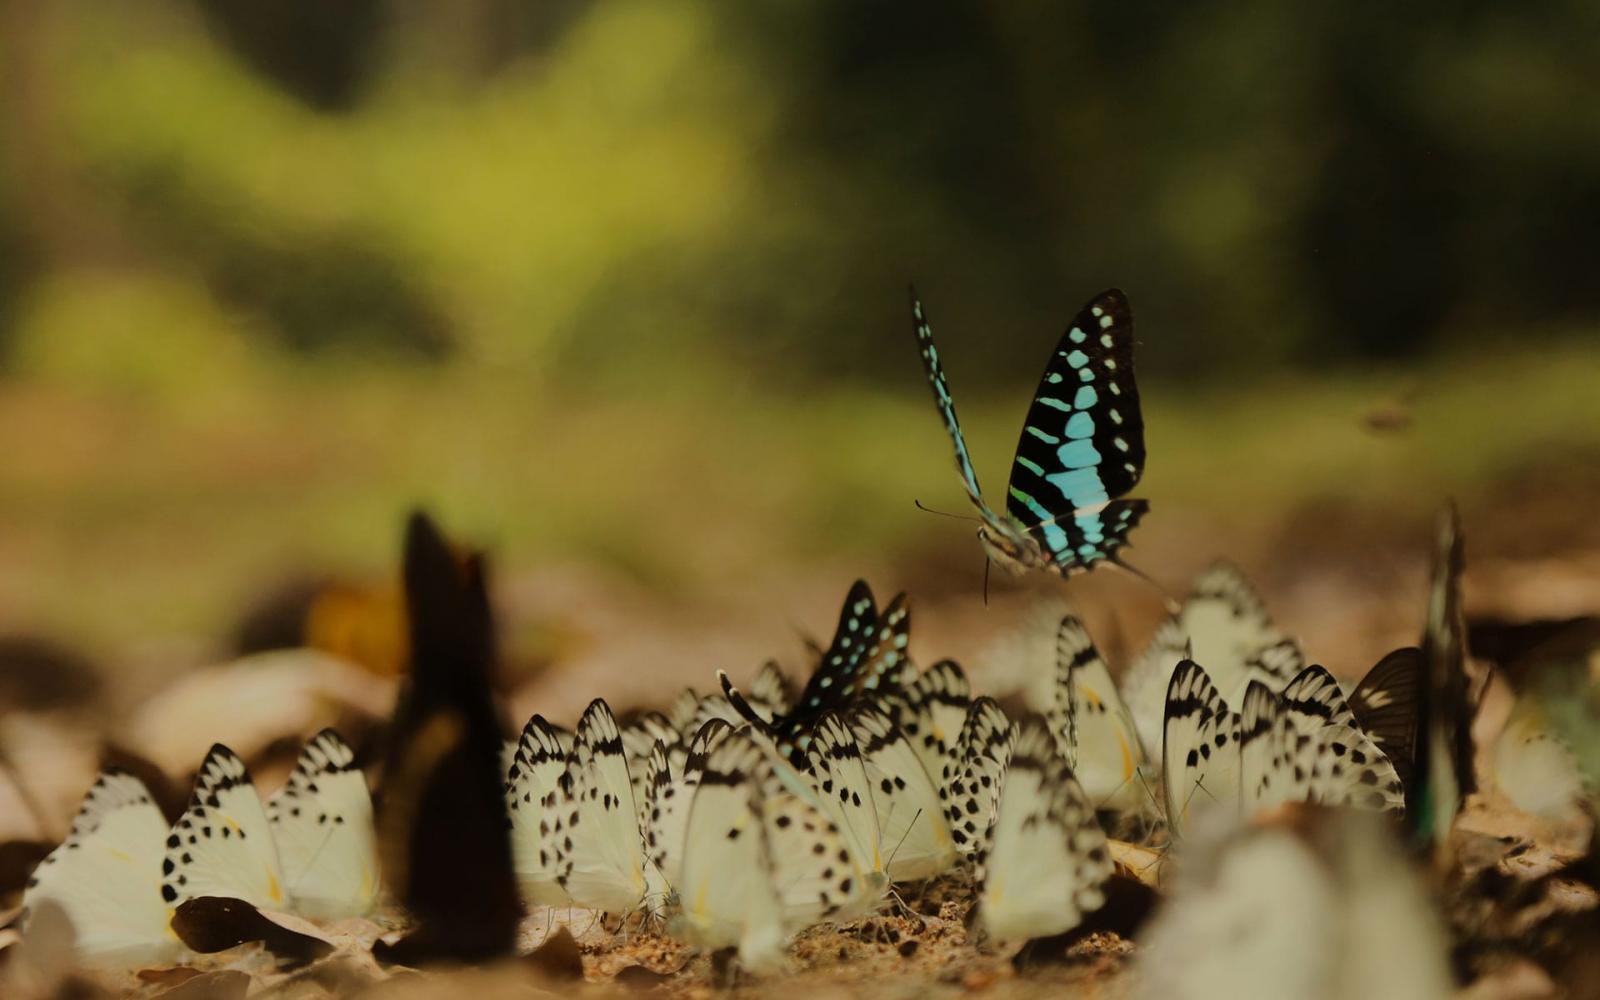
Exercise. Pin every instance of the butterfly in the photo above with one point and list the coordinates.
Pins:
(844, 793)
(1047, 857)
(1315, 904)
(971, 784)
(1385, 703)
(1443, 767)
(1082, 448)
(1095, 729)
(931, 710)
(106, 876)
(223, 843)
(818, 877)
(912, 821)
(1304, 745)
(866, 657)
(531, 785)
(321, 822)
(726, 888)
(594, 824)
(669, 790)
(1223, 625)
(1200, 766)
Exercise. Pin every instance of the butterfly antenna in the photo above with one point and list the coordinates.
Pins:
(739, 704)
(1173, 607)
(909, 827)
(944, 513)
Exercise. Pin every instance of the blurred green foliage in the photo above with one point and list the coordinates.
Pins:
(625, 280)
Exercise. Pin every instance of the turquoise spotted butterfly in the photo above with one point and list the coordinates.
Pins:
(1082, 448)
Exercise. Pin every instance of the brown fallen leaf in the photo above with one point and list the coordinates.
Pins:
(210, 924)
(223, 984)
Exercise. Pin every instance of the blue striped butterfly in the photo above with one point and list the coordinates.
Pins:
(1082, 448)
(867, 657)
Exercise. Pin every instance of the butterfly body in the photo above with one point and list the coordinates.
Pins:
(1081, 449)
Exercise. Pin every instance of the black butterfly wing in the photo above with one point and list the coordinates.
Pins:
(1386, 705)
(1082, 443)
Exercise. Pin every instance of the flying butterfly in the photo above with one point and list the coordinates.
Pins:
(1082, 448)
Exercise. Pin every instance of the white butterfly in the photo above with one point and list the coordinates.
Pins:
(844, 792)
(1223, 626)
(669, 792)
(818, 877)
(322, 825)
(106, 877)
(1200, 764)
(971, 787)
(1095, 730)
(931, 711)
(639, 738)
(913, 825)
(1304, 746)
(222, 845)
(593, 823)
(1264, 912)
(1047, 858)
(531, 781)
(726, 892)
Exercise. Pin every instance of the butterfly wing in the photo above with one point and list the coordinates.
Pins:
(1082, 443)
(931, 711)
(947, 407)
(1048, 858)
(222, 844)
(106, 876)
(600, 858)
(1386, 704)
(531, 791)
(770, 690)
(1200, 752)
(1313, 699)
(914, 828)
(845, 792)
(971, 788)
(726, 890)
(322, 824)
(1095, 729)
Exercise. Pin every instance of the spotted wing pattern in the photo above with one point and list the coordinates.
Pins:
(222, 844)
(322, 824)
(1048, 858)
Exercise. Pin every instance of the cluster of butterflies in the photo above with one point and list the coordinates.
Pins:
(122, 872)
(740, 818)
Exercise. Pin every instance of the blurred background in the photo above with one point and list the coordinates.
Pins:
(617, 290)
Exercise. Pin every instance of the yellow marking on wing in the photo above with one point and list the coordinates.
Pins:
(1127, 756)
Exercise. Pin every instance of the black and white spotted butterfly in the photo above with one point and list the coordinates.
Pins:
(532, 782)
(1095, 729)
(222, 845)
(322, 824)
(727, 894)
(1082, 448)
(1047, 858)
(912, 823)
(930, 710)
(106, 877)
(669, 790)
(593, 823)
(866, 658)
(1223, 624)
(971, 784)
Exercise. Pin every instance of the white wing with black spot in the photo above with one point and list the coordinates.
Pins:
(106, 877)
(322, 824)
(222, 844)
